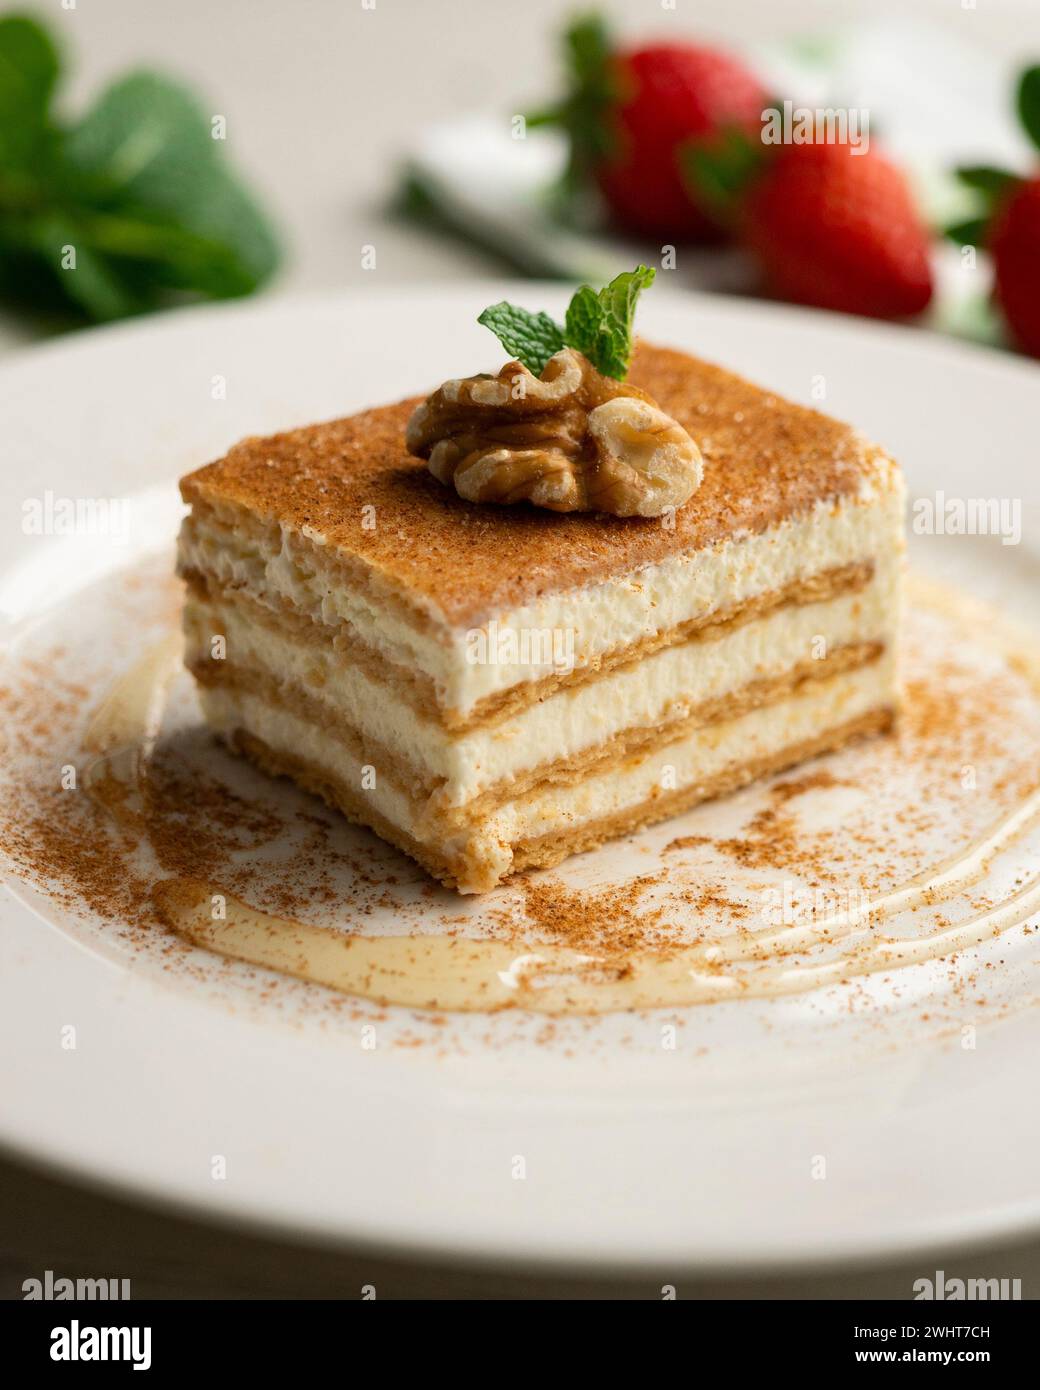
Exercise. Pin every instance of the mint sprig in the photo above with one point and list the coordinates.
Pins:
(128, 208)
(531, 338)
(598, 324)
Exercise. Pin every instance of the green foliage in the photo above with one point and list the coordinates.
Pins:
(969, 232)
(584, 114)
(138, 188)
(986, 179)
(598, 324)
(1029, 103)
(719, 169)
(991, 186)
(530, 338)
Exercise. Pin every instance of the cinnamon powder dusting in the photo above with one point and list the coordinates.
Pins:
(617, 919)
(96, 842)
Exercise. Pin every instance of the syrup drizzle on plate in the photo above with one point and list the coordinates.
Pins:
(449, 972)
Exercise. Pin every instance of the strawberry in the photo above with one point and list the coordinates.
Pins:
(1008, 223)
(837, 228)
(630, 110)
(1015, 243)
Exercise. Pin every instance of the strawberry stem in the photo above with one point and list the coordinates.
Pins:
(719, 169)
(986, 179)
(1029, 103)
(970, 232)
(991, 185)
(593, 90)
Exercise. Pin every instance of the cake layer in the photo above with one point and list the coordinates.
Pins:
(631, 791)
(563, 638)
(351, 488)
(714, 675)
(493, 687)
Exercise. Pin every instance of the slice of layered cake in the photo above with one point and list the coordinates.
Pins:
(698, 584)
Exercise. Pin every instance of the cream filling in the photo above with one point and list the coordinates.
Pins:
(660, 688)
(703, 755)
(564, 629)
(699, 757)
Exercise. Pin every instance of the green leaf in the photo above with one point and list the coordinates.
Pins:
(984, 178)
(28, 74)
(91, 283)
(588, 47)
(600, 325)
(532, 338)
(593, 90)
(548, 115)
(174, 257)
(1029, 103)
(581, 325)
(139, 188)
(991, 185)
(970, 232)
(720, 168)
(146, 147)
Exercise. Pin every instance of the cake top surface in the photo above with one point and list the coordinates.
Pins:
(766, 460)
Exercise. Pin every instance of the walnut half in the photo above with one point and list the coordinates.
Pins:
(570, 440)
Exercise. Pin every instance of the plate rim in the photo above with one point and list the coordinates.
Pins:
(1021, 1218)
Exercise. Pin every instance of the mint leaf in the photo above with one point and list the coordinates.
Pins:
(581, 325)
(1029, 103)
(28, 74)
(619, 310)
(127, 262)
(531, 338)
(138, 187)
(101, 292)
(600, 325)
(146, 148)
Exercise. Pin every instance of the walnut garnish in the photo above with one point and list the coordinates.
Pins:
(570, 440)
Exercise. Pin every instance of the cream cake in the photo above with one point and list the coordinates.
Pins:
(494, 688)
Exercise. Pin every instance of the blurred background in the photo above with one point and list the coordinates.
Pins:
(334, 143)
(207, 150)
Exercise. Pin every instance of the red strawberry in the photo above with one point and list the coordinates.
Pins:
(838, 229)
(1008, 222)
(673, 92)
(629, 112)
(1015, 243)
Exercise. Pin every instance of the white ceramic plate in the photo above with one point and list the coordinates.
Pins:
(823, 1127)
